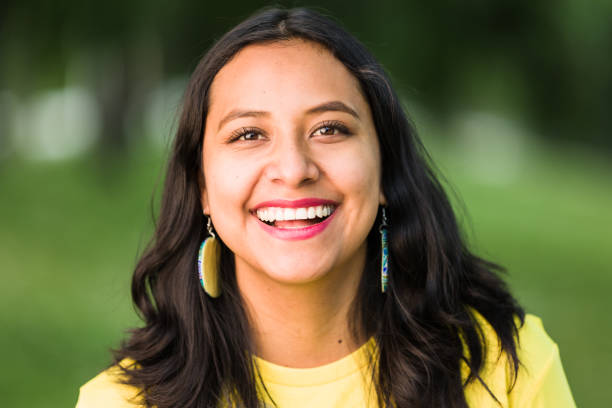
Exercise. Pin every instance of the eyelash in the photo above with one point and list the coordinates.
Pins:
(332, 124)
(240, 133)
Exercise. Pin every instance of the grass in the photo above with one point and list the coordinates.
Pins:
(70, 233)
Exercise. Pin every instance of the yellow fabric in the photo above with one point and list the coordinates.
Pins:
(541, 382)
(105, 391)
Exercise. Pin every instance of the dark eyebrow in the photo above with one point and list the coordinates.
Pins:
(336, 106)
(333, 106)
(235, 114)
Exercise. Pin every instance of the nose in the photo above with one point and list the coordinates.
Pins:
(291, 163)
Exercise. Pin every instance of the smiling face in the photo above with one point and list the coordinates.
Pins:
(291, 164)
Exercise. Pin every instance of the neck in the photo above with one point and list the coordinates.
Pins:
(303, 325)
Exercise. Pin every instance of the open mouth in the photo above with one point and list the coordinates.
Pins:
(301, 217)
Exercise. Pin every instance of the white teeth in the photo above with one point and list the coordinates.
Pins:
(312, 213)
(272, 214)
(277, 214)
(289, 214)
(301, 214)
(260, 214)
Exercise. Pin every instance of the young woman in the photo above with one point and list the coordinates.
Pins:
(332, 271)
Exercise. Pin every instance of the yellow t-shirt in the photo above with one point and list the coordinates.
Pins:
(541, 382)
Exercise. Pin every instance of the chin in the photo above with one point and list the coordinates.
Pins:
(285, 270)
(296, 274)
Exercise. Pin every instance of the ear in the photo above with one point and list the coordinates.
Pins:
(204, 201)
(203, 194)
(382, 200)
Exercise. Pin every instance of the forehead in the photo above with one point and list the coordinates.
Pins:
(283, 75)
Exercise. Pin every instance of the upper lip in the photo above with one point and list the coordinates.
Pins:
(303, 202)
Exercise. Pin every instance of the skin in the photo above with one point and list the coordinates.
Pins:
(297, 292)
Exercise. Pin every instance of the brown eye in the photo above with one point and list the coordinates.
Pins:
(250, 136)
(247, 135)
(331, 128)
(327, 131)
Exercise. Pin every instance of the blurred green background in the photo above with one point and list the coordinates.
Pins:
(512, 98)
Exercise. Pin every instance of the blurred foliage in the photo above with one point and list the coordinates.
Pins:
(545, 64)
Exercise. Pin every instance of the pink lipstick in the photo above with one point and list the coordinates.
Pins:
(303, 202)
(295, 219)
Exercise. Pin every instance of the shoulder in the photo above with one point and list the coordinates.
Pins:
(107, 390)
(534, 346)
(540, 381)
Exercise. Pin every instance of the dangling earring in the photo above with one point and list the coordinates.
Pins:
(208, 263)
(384, 258)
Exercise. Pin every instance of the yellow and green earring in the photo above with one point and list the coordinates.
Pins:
(208, 263)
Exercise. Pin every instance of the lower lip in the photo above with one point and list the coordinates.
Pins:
(294, 234)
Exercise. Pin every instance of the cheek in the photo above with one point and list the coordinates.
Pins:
(356, 173)
(227, 185)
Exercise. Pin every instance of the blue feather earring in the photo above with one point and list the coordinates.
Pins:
(384, 258)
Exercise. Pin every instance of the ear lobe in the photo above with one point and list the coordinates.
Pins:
(204, 201)
(382, 200)
(203, 195)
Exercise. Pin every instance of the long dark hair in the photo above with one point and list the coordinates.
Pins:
(194, 351)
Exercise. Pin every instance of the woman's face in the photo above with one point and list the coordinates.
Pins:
(291, 163)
